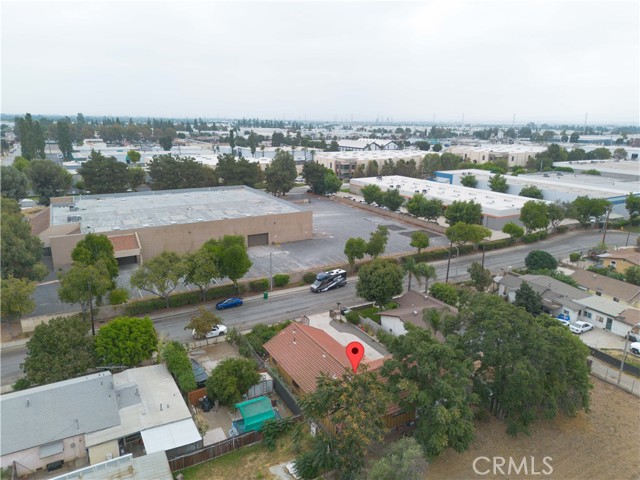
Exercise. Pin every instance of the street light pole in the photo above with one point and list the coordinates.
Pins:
(270, 270)
(93, 325)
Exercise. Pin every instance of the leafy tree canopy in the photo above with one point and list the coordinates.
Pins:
(480, 277)
(15, 184)
(379, 281)
(237, 171)
(231, 379)
(539, 259)
(281, 175)
(59, 350)
(531, 191)
(469, 181)
(48, 179)
(170, 172)
(534, 215)
(378, 241)
(104, 174)
(468, 212)
(93, 248)
(160, 276)
(419, 240)
(498, 183)
(355, 249)
(392, 200)
(513, 230)
(371, 193)
(126, 341)
(16, 297)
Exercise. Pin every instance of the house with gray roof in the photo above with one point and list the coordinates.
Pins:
(558, 298)
(95, 418)
(411, 307)
(45, 425)
(609, 315)
(607, 287)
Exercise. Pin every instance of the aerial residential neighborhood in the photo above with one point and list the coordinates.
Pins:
(319, 240)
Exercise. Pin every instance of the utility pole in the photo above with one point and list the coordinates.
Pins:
(93, 325)
(446, 280)
(606, 223)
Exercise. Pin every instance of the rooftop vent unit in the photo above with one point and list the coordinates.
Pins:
(74, 218)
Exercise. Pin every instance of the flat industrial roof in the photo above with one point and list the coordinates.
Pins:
(126, 211)
(493, 203)
(371, 154)
(497, 148)
(592, 185)
(631, 167)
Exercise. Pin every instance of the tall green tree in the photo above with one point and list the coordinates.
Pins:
(461, 233)
(468, 212)
(104, 174)
(357, 405)
(378, 241)
(556, 213)
(392, 199)
(540, 260)
(21, 251)
(83, 284)
(160, 276)
(434, 378)
(15, 184)
(514, 231)
(355, 249)
(404, 459)
(379, 281)
(498, 183)
(59, 350)
(166, 142)
(481, 278)
(136, 177)
(529, 299)
(133, 156)
(31, 137)
(201, 269)
(281, 175)
(419, 240)
(48, 179)
(203, 322)
(534, 215)
(411, 269)
(94, 248)
(231, 379)
(169, 172)
(232, 257)
(237, 171)
(65, 140)
(583, 208)
(632, 275)
(631, 203)
(426, 272)
(16, 300)
(371, 193)
(126, 341)
(531, 367)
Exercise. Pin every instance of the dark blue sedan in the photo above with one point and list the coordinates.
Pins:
(229, 303)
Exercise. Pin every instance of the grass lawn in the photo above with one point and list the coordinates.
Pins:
(632, 228)
(250, 463)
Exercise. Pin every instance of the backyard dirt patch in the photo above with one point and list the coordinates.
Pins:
(602, 444)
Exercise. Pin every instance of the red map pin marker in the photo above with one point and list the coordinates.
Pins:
(355, 352)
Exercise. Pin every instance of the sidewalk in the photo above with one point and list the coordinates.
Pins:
(610, 375)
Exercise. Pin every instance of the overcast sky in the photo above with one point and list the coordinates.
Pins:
(406, 61)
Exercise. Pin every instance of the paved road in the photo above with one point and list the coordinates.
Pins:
(295, 302)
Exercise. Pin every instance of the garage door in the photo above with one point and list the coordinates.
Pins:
(258, 239)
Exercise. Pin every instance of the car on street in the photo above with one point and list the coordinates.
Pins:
(229, 303)
(199, 372)
(635, 348)
(580, 327)
(215, 331)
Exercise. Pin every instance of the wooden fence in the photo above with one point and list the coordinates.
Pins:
(212, 451)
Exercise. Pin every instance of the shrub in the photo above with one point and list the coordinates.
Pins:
(21, 384)
(592, 171)
(445, 293)
(259, 285)
(496, 244)
(542, 234)
(574, 257)
(309, 278)
(353, 317)
(530, 238)
(280, 280)
(539, 259)
(562, 229)
(261, 334)
(178, 363)
(118, 296)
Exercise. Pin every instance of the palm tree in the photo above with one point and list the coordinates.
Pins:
(410, 268)
(426, 271)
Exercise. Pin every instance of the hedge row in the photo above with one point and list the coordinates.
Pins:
(178, 363)
(140, 307)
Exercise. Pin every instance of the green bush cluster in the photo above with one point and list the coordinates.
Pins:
(280, 280)
(444, 292)
(178, 363)
(180, 299)
(309, 278)
(259, 285)
(562, 229)
(261, 334)
(353, 317)
(574, 257)
(118, 296)
(496, 244)
(543, 234)
(530, 238)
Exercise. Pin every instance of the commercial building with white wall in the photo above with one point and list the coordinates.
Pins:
(497, 208)
(346, 163)
(555, 186)
(516, 155)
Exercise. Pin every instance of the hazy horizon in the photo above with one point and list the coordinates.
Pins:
(395, 62)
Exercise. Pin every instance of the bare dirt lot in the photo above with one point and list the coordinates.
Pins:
(603, 444)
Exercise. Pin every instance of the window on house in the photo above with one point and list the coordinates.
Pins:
(599, 319)
(613, 263)
(587, 314)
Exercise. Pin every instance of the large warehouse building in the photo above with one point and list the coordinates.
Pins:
(143, 224)
(346, 163)
(497, 208)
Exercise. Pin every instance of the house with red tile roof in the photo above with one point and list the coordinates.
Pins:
(301, 353)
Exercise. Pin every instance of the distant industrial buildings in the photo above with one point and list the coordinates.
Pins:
(515, 155)
(346, 163)
(497, 208)
(555, 186)
(367, 144)
(143, 224)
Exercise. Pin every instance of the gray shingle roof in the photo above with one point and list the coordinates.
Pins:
(45, 414)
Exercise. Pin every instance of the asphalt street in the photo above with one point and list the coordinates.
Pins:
(288, 304)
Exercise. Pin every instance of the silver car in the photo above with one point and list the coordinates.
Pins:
(580, 327)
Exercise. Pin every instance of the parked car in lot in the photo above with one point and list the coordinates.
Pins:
(635, 348)
(633, 337)
(564, 322)
(199, 372)
(216, 331)
(229, 303)
(580, 327)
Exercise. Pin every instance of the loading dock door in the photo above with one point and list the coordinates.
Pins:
(258, 239)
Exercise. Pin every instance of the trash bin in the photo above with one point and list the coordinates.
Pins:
(265, 295)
